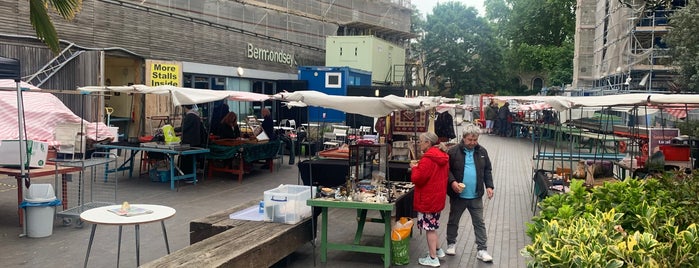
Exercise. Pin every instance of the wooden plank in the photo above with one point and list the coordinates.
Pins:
(209, 226)
(217, 241)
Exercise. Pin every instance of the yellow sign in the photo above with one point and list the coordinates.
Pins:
(160, 73)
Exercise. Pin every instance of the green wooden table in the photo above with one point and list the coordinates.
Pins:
(384, 209)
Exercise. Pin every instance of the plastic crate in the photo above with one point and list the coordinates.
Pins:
(159, 175)
(287, 203)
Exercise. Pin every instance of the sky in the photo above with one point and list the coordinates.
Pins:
(425, 6)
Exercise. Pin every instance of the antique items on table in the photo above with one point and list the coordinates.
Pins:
(384, 197)
(365, 188)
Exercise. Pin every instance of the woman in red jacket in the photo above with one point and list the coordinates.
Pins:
(430, 176)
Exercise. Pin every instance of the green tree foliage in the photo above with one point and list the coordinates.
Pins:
(462, 49)
(41, 21)
(683, 41)
(540, 36)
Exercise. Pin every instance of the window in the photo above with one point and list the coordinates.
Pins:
(332, 80)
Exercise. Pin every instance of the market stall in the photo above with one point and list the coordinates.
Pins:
(631, 144)
(236, 159)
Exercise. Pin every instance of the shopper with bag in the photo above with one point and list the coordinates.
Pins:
(430, 178)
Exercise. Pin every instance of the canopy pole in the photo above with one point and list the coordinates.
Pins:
(25, 180)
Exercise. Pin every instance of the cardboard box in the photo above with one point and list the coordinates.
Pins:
(287, 203)
(36, 153)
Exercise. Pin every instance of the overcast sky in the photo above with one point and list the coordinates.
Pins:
(425, 6)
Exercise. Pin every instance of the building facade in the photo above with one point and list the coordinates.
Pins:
(244, 45)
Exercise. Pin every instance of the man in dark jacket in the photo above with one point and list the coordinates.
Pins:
(503, 123)
(470, 176)
(192, 135)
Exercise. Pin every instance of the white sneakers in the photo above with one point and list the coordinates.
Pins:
(440, 253)
(451, 249)
(484, 256)
(428, 261)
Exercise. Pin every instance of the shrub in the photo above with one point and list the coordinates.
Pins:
(649, 223)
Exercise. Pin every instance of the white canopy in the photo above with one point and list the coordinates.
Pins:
(367, 106)
(638, 99)
(182, 95)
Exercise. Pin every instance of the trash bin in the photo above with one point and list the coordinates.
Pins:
(40, 206)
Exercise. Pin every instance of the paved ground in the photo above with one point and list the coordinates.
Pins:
(505, 215)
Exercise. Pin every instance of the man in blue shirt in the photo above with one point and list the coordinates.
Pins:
(470, 177)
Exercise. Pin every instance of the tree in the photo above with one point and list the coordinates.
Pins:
(41, 21)
(539, 36)
(683, 44)
(461, 49)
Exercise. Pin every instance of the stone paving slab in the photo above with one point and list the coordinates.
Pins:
(505, 217)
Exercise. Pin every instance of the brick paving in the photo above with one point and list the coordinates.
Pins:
(505, 216)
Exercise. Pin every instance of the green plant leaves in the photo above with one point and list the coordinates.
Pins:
(649, 223)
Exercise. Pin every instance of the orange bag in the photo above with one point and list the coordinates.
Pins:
(401, 229)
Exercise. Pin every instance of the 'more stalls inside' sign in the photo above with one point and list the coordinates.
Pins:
(160, 73)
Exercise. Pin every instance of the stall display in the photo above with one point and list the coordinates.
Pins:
(96, 185)
(402, 196)
(364, 160)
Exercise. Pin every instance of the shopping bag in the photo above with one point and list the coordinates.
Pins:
(399, 252)
(401, 229)
(400, 241)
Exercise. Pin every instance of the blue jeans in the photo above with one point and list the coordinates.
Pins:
(475, 208)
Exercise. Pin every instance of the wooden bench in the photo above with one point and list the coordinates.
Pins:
(217, 241)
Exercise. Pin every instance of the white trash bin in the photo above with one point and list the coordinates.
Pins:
(40, 207)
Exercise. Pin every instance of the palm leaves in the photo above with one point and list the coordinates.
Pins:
(41, 21)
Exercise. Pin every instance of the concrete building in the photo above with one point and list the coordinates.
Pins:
(619, 47)
(244, 45)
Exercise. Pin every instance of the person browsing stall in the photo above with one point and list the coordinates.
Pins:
(470, 177)
(229, 129)
(268, 127)
(191, 134)
(430, 178)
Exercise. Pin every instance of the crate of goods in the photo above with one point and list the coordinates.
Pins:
(35, 157)
(287, 203)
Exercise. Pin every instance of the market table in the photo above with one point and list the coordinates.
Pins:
(385, 209)
(135, 148)
(243, 153)
(103, 215)
(46, 170)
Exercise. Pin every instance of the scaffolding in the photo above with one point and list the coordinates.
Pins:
(619, 47)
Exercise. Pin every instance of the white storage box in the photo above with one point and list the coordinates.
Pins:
(36, 153)
(287, 203)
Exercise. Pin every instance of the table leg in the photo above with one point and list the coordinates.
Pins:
(194, 169)
(324, 236)
(171, 159)
(167, 245)
(119, 246)
(386, 215)
(19, 201)
(138, 246)
(361, 219)
(89, 244)
(130, 160)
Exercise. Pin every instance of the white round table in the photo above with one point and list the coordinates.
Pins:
(103, 215)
